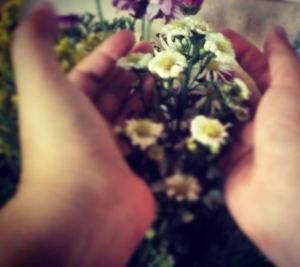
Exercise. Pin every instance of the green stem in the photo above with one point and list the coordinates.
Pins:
(182, 97)
(101, 15)
(149, 30)
(143, 28)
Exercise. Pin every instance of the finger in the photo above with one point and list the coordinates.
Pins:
(284, 63)
(116, 89)
(96, 67)
(250, 58)
(48, 104)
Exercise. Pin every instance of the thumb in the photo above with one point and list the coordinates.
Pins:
(52, 113)
(33, 53)
(283, 61)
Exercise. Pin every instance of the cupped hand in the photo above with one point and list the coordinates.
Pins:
(263, 186)
(78, 203)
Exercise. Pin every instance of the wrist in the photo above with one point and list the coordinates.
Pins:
(41, 228)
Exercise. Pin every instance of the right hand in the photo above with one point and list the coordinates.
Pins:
(263, 186)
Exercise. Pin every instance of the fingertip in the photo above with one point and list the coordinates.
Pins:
(277, 36)
(41, 20)
(118, 45)
(125, 35)
(143, 47)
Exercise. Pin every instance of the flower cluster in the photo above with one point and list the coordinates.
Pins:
(181, 133)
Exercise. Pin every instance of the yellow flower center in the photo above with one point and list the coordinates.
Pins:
(213, 65)
(167, 63)
(224, 46)
(182, 188)
(143, 129)
(212, 131)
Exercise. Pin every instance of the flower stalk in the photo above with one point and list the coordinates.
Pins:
(101, 15)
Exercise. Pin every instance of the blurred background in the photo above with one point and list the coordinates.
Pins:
(253, 18)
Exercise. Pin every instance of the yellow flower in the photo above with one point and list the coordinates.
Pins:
(143, 132)
(244, 93)
(187, 217)
(209, 132)
(191, 145)
(180, 187)
(63, 45)
(150, 234)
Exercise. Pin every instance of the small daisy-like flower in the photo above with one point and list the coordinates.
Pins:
(184, 27)
(167, 64)
(180, 187)
(244, 92)
(137, 61)
(187, 217)
(177, 33)
(220, 46)
(198, 26)
(143, 132)
(217, 69)
(209, 132)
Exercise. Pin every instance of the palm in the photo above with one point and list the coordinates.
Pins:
(263, 181)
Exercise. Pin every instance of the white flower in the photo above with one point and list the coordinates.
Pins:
(244, 93)
(209, 132)
(220, 46)
(143, 132)
(177, 33)
(176, 27)
(180, 187)
(136, 61)
(185, 26)
(216, 68)
(199, 26)
(168, 64)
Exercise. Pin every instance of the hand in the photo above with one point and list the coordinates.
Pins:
(263, 187)
(78, 203)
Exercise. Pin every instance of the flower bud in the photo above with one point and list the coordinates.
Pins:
(190, 7)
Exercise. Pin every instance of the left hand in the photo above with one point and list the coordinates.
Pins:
(78, 203)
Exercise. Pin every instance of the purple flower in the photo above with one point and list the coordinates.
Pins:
(68, 21)
(165, 9)
(137, 8)
(190, 7)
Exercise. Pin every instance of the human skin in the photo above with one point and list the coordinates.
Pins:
(79, 204)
